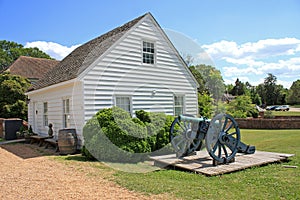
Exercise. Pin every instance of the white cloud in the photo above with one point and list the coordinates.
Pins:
(53, 49)
(244, 61)
(261, 49)
(222, 49)
(237, 71)
(294, 64)
(286, 84)
(290, 66)
(253, 60)
(286, 68)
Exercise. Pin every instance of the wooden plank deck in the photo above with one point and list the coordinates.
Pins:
(202, 162)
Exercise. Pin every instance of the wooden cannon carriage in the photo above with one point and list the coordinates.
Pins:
(221, 136)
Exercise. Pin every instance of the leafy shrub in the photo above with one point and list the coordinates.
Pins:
(13, 98)
(205, 104)
(242, 107)
(254, 112)
(112, 135)
(269, 114)
(143, 116)
(87, 154)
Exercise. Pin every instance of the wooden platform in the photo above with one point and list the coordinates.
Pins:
(202, 162)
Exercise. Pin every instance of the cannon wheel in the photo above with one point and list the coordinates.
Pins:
(182, 139)
(222, 129)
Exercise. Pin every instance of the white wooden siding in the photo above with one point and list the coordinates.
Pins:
(121, 72)
(54, 98)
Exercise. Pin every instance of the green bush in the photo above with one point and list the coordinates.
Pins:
(205, 104)
(143, 116)
(87, 154)
(269, 114)
(242, 107)
(13, 98)
(112, 135)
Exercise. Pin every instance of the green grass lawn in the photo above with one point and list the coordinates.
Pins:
(272, 181)
(285, 113)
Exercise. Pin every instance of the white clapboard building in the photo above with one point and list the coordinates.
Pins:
(134, 66)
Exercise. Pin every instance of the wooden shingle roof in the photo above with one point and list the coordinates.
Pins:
(31, 68)
(83, 56)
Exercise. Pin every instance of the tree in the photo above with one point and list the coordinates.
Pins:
(294, 93)
(270, 89)
(238, 89)
(270, 92)
(242, 107)
(280, 94)
(273, 93)
(213, 80)
(228, 88)
(260, 89)
(197, 75)
(256, 99)
(205, 104)
(10, 51)
(12, 98)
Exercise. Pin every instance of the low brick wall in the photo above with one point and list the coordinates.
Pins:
(263, 123)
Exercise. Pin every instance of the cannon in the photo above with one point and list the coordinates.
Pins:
(221, 136)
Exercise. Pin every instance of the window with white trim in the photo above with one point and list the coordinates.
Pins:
(148, 52)
(66, 113)
(178, 104)
(124, 102)
(45, 113)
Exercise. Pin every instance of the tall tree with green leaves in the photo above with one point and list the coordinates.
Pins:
(213, 80)
(211, 87)
(13, 98)
(238, 89)
(197, 75)
(270, 89)
(294, 93)
(11, 51)
(270, 92)
(260, 89)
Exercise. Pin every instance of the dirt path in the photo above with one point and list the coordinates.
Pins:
(25, 174)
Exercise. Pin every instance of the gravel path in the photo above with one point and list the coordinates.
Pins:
(25, 174)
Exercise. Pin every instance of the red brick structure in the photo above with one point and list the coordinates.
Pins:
(264, 123)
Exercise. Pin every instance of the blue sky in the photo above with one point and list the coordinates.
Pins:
(243, 39)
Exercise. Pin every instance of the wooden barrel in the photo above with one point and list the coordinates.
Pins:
(67, 141)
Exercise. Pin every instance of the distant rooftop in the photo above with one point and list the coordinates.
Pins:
(31, 68)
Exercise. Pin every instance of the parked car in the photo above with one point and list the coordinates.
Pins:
(271, 107)
(282, 108)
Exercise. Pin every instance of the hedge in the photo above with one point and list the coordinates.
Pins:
(113, 135)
